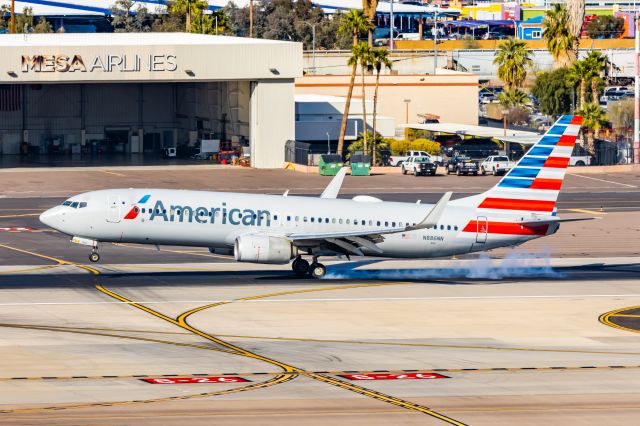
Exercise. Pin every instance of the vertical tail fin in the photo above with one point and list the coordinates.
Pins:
(534, 183)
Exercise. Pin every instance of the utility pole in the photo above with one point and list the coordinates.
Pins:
(251, 18)
(391, 26)
(435, 41)
(13, 16)
(636, 118)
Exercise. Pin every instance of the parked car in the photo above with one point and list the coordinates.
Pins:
(496, 165)
(382, 36)
(419, 166)
(580, 160)
(461, 165)
(397, 160)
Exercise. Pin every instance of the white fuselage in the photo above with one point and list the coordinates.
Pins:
(216, 219)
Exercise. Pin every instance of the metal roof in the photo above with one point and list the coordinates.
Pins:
(517, 136)
(128, 39)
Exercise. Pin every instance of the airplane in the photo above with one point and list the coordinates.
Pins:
(276, 229)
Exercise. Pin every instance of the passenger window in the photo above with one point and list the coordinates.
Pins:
(326, 220)
(378, 222)
(340, 221)
(348, 222)
(333, 220)
(297, 218)
(386, 224)
(304, 219)
(313, 219)
(370, 222)
(455, 228)
(448, 227)
(441, 227)
(393, 224)
(288, 218)
(274, 217)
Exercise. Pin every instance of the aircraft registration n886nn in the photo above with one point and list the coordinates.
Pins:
(277, 229)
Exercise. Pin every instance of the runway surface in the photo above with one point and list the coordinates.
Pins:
(531, 336)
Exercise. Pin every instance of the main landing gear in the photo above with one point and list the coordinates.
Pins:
(302, 268)
(94, 256)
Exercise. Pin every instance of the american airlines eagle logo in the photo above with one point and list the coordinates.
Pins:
(135, 210)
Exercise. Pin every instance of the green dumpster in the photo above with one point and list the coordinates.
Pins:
(330, 164)
(360, 165)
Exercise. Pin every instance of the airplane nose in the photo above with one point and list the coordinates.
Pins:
(50, 217)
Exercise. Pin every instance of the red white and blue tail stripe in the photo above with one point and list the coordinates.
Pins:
(534, 183)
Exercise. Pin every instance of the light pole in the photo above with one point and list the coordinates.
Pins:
(504, 121)
(515, 29)
(406, 111)
(391, 26)
(636, 118)
(435, 41)
(313, 43)
(328, 143)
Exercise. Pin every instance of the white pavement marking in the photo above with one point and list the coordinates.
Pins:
(359, 299)
(607, 181)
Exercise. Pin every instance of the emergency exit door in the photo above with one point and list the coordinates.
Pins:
(482, 227)
(113, 209)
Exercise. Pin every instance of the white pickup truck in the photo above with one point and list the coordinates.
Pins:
(397, 160)
(497, 165)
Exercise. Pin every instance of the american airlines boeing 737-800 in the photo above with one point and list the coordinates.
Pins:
(276, 229)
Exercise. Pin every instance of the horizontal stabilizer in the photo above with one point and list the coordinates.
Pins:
(434, 215)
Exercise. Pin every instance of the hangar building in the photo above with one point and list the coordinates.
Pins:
(137, 93)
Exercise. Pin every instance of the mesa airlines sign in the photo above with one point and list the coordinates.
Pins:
(100, 63)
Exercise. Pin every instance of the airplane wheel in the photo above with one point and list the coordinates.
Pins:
(318, 270)
(300, 267)
(94, 257)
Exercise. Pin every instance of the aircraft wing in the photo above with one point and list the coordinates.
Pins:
(353, 241)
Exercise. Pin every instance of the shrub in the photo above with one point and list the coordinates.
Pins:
(401, 147)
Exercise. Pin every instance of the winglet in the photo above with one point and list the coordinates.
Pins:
(332, 190)
(434, 215)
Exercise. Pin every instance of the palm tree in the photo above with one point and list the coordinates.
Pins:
(593, 118)
(380, 60)
(363, 53)
(575, 12)
(513, 59)
(597, 63)
(557, 34)
(369, 10)
(353, 23)
(580, 72)
(514, 98)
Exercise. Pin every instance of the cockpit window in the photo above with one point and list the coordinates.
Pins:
(74, 205)
(66, 203)
(82, 205)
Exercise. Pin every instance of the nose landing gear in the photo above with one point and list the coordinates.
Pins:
(94, 256)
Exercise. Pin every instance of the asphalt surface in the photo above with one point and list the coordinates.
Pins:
(541, 334)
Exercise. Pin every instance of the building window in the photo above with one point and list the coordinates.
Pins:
(536, 34)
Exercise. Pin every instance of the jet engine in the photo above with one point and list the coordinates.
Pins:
(263, 249)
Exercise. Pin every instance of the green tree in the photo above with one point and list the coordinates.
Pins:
(188, 9)
(597, 63)
(557, 34)
(381, 60)
(514, 98)
(553, 92)
(210, 23)
(580, 73)
(513, 59)
(354, 23)
(575, 13)
(369, 10)
(605, 27)
(593, 119)
(127, 18)
(43, 26)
